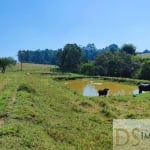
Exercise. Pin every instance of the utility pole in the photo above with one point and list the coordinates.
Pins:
(21, 59)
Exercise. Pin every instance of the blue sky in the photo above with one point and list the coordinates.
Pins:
(40, 24)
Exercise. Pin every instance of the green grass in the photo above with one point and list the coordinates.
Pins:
(146, 55)
(45, 115)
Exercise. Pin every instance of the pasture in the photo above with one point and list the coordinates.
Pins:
(40, 113)
(146, 55)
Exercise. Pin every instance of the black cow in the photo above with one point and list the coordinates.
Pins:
(103, 92)
(144, 87)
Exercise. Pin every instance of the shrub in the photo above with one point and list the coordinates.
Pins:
(87, 69)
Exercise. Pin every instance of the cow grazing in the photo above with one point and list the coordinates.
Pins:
(103, 92)
(144, 87)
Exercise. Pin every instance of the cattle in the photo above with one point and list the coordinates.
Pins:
(103, 92)
(144, 87)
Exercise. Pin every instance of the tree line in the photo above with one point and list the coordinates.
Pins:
(115, 62)
(49, 56)
(110, 61)
(38, 57)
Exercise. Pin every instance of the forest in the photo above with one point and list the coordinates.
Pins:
(111, 61)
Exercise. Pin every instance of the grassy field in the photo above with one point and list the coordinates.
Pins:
(39, 113)
(146, 55)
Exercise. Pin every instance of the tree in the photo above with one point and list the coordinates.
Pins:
(113, 47)
(90, 51)
(145, 70)
(117, 63)
(5, 62)
(70, 58)
(129, 49)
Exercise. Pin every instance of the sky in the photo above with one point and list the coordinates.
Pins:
(41, 24)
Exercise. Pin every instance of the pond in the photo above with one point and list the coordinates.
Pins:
(89, 87)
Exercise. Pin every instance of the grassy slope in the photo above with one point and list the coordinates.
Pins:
(55, 117)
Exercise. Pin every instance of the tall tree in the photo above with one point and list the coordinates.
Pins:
(70, 58)
(129, 49)
(90, 51)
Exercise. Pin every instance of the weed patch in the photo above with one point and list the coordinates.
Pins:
(26, 88)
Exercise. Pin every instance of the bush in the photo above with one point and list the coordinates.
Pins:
(88, 69)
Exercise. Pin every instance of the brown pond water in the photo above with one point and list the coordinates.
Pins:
(89, 87)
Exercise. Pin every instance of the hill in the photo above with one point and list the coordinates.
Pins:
(39, 113)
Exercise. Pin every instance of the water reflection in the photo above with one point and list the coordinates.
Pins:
(89, 90)
(135, 92)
